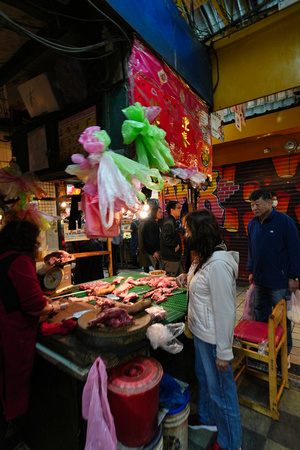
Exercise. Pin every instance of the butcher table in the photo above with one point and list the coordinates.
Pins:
(61, 369)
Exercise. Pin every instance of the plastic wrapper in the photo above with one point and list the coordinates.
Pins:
(164, 336)
(15, 185)
(101, 431)
(19, 190)
(31, 213)
(293, 307)
(197, 179)
(262, 347)
(249, 308)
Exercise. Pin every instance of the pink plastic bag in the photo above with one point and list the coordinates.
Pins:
(101, 432)
(249, 308)
(94, 227)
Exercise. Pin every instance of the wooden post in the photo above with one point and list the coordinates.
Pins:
(110, 263)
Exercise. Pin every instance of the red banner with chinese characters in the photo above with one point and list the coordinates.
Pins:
(184, 117)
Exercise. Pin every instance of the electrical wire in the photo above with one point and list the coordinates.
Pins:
(36, 5)
(56, 46)
(217, 60)
(111, 20)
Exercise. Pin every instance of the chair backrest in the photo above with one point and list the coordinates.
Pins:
(277, 317)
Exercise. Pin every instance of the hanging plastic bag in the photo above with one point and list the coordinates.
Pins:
(293, 307)
(249, 308)
(94, 228)
(152, 149)
(101, 431)
(164, 336)
(114, 179)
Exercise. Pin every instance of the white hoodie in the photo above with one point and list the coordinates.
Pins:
(212, 301)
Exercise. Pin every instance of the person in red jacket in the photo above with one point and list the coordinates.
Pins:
(22, 304)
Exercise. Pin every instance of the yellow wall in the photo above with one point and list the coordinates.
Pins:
(259, 60)
(280, 122)
(268, 131)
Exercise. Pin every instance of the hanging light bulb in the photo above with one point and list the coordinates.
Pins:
(143, 214)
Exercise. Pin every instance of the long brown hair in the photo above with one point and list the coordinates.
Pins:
(204, 233)
(20, 235)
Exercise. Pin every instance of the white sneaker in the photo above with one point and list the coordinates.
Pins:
(289, 362)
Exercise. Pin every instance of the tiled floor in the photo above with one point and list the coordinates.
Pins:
(259, 431)
(295, 352)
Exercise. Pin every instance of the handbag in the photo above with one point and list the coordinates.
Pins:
(187, 331)
(293, 307)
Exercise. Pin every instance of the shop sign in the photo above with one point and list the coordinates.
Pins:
(184, 116)
(70, 129)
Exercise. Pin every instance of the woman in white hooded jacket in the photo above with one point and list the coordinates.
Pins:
(211, 285)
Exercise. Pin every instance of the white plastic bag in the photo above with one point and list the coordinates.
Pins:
(101, 432)
(164, 336)
(293, 307)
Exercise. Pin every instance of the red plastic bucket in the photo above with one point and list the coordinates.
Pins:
(133, 394)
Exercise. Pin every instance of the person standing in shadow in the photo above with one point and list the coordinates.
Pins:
(134, 242)
(89, 267)
(116, 241)
(144, 260)
(151, 237)
(170, 242)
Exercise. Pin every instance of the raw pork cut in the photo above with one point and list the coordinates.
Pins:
(123, 287)
(118, 280)
(58, 257)
(112, 317)
(130, 297)
(91, 285)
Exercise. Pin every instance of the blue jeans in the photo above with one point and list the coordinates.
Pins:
(217, 397)
(265, 300)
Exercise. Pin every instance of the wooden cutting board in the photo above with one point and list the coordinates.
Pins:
(110, 337)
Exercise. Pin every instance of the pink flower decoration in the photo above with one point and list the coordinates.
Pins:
(90, 142)
(84, 163)
(151, 112)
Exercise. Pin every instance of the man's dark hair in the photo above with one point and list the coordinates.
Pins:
(171, 205)
(260, 193)
(273, 194)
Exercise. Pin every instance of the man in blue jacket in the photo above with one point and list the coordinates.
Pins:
(273, 256)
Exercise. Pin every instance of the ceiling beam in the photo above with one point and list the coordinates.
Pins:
(221, 10)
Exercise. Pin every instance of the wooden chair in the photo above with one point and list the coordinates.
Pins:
(248, 338)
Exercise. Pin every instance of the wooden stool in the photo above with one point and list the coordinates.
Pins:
(249, 335)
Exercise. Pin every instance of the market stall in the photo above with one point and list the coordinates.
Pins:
(64, 362)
